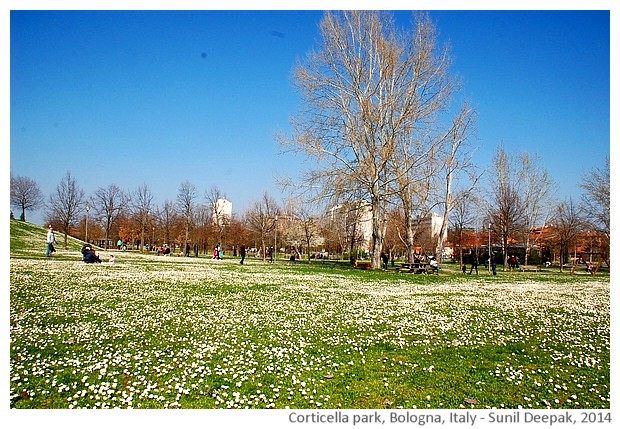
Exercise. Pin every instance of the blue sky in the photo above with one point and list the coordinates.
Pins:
(161, 97)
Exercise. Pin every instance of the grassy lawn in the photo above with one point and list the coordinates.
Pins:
(170, 332)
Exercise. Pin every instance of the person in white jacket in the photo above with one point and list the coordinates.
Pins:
(434, 265)
(51, 239)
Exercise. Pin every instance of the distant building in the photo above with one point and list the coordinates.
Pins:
(431, 224)
(365, 225)
(222, 212)
(355, 221)
(429, 228)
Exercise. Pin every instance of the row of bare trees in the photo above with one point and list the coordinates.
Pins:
(110, 214)
(520, 192)
(131, 216)
(520, 197)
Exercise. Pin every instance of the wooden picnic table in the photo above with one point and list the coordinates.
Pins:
(416, 267)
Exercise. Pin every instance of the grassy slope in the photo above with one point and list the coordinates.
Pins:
(29, 241)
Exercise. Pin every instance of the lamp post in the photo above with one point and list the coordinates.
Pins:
(87, 210)
(142, 239)
(153, 242)
(275, 239)
(489, 246)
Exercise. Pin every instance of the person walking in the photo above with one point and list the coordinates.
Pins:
(474, 264)
(242, 251)
(50, 240)
(493, 264)
(384, 259)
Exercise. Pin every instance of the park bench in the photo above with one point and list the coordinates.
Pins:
(525, 268)
(416, 268)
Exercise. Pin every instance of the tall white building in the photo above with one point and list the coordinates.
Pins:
(429, 230)
(354, 218)
(222, 212)
(431, 224)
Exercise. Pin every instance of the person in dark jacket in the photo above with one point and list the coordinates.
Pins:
(89, 255)
(385, 258)
(474, 264)
(242, 251)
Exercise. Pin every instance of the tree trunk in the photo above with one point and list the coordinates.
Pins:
(410, 232)
(142, 241)
(377, 233)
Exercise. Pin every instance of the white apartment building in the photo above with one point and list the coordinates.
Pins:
(222, 212)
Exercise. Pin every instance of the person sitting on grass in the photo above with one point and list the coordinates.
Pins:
(89, 255)
(434, 265)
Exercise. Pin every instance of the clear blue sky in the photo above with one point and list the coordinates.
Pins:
(160, 97)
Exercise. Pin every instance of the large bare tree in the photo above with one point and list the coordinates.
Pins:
(455, 158)
(416, 172)
(365, 90)
(595, 201)
(25, 194)
(219, 218)
(186, 202)
(66, 204)
(536, 187)
(142, 203)
(168, 218)
(506, 200)
(261, 218)
(108, 204)
(568, 224)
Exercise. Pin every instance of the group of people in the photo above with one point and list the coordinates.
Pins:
(90, 256)
(475, 262)
(513, 262)
(474, 265)
(270, 253)
(164, 250)
(432, 262)
(218, 253)
(417, 260)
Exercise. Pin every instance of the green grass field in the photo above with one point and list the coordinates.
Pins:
(170, 332)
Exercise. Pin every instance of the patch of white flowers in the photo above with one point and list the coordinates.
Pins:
(168, 333)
